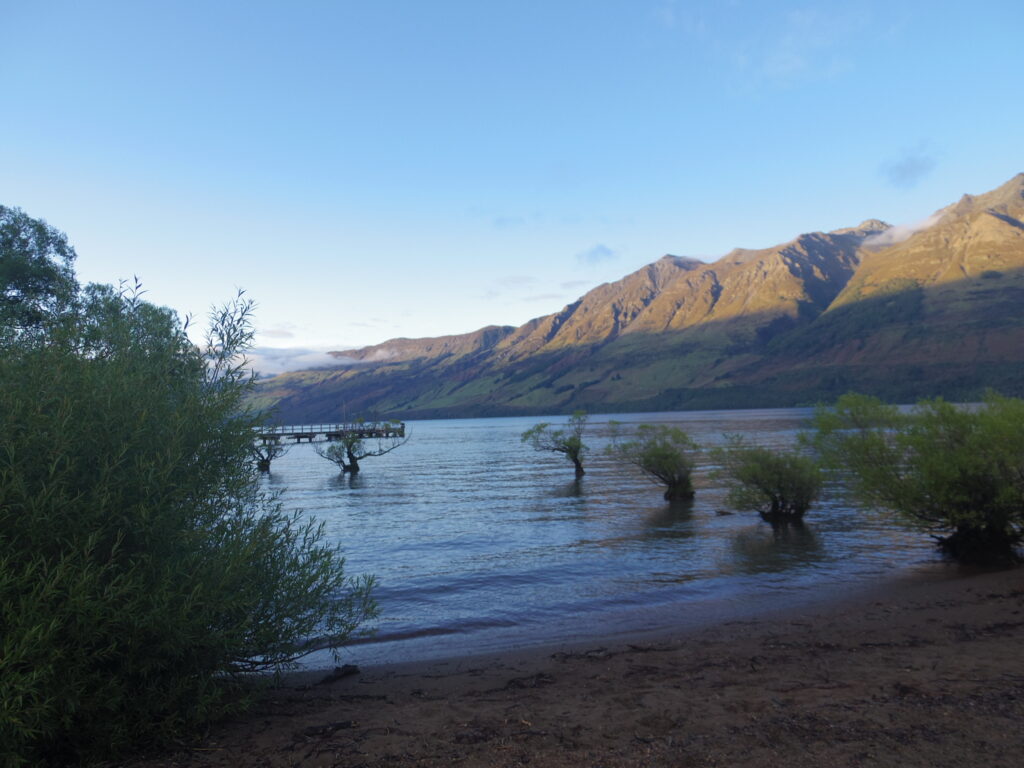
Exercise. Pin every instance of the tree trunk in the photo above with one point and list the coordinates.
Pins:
(679, 491)
(985, 546)
(783, 513)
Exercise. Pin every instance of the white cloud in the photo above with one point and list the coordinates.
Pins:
(268, 361)
(900, 232)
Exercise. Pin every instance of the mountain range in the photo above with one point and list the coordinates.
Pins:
(901, 313)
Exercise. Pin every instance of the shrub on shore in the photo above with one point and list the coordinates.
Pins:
(143, 573)
(957, 471)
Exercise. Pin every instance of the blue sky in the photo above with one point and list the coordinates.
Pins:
(367, 170)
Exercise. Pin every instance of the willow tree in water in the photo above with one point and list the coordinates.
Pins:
(664, 454)
(567, 441)
(350, 448)
(779, 485)
(956, 471)
(266, 452)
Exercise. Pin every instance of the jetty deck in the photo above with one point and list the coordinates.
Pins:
(312, 433)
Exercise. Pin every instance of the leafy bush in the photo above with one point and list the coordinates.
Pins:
(567, 441)
(37, 280)
(780, 485)
(957, 471)
(664, 454)
(142, 571)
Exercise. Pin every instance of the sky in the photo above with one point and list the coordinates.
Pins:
(403, 168)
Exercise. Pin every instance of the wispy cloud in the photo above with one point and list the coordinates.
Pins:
(508, 222)
(665, 14)
(900, 232)
(672, 16)
(276, 333)
(268, 361)
(575, 285)
(505, 220)
(509, 284)
(515, 281)
(597, 254)
(804, 45)
(910, 167)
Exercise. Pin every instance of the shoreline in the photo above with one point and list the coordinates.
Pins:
(641, 621)
(672, 620)
(919, 672)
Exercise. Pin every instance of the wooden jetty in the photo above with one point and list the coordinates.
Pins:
(312, 433)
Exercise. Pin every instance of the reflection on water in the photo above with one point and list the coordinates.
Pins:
(573, 490)
(673, 520)
(768, 548)
(480, 543)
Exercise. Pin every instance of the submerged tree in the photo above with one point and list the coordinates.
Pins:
(265, 453)
(779, 485)
(351, 447)
(567, 441)
(664, 454)
(958, 471)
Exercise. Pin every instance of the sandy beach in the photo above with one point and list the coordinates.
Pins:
(912, 673)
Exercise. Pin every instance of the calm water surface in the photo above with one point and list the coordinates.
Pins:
(480, 544)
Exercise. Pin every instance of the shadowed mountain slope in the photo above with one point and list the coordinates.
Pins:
(897, 313)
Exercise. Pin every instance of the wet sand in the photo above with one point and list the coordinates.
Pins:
(911, 673)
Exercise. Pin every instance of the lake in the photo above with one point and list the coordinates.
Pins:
(481, 544)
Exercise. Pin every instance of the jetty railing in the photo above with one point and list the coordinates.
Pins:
(330, 432)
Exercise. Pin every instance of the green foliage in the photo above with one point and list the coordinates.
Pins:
(36, 278)
(779, 485)
(336, 453)
(567, 441)
(664, 454)
(958, 471)
(142, 571)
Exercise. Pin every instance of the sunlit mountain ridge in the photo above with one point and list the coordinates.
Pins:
(904, 313)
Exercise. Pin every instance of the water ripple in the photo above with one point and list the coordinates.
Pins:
(480, 543)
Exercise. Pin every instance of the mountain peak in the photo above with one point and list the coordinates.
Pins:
(681, 261)
(1006, 198)
(866, 228)
(1010, 193)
